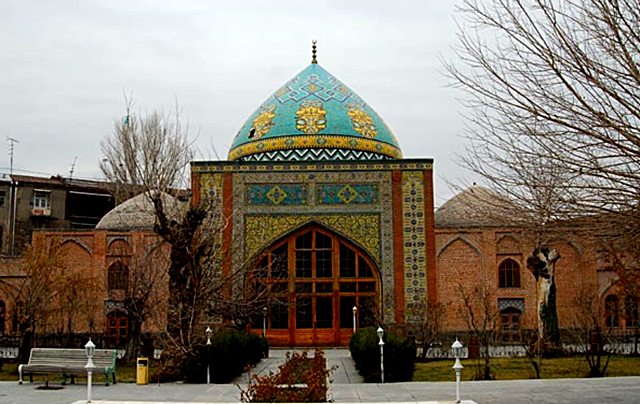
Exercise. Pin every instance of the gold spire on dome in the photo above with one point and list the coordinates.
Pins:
(313, 52)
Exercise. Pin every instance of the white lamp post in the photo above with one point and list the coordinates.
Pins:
(355, 311)
(90, 349)
(208, 332)
(264, 322)
(380, 332)
(456, 348)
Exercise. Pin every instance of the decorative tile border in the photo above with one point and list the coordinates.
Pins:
(257, 226)
(413, 225)
(232, 166)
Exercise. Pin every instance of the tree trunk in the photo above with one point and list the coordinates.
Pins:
(542, 264)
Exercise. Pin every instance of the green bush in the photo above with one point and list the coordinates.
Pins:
(399, 355)
(229, 354)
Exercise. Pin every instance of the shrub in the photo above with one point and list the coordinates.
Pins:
(399, 355)
(229, 354)
(299, 380)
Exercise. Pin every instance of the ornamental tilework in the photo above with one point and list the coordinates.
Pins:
(350, 194)
(314, 155)
(414, 241)
(251, 166)
(211, 193)
(255, 227)
(263, 230)
(276, 195)
(314, 110)
(311, 140)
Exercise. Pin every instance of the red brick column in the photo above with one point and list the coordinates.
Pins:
(227, 233)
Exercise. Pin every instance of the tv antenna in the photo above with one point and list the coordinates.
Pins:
(12, 141)
(73, 167)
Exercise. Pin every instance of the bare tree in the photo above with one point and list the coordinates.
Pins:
(145, 294)
(146, 153)
(33, 288)
(150, 154)
(624, 263)
(554, 110)
(591, 333)
(426, 320)
(555, 103)
(483, 321)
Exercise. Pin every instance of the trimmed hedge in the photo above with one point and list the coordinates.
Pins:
(229, 354)
(399, 355)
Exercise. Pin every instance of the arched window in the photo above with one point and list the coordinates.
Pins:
(3, 312)
(509, 274)
(611, 311)
(118, 276)
(117, 329)
(310, 283)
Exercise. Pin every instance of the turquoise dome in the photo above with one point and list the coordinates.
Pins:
(314, 116)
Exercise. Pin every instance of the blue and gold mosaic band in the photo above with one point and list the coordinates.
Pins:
(306, 142)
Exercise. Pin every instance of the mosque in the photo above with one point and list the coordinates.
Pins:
(321, 211)
(322, 202)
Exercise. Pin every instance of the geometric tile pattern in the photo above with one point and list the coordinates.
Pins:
(351, 166)
(354, 194)
(314, 155)
(265, 229)
(256, 223)
(414, 242)
(272, 194)
(511, 303)
(211, 195)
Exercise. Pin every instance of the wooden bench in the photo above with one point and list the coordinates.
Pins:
(69, 362)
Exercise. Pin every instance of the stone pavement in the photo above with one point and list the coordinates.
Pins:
(346, 388)
(337, 358)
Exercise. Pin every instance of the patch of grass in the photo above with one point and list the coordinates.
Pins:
(125, 373)
(521, 368)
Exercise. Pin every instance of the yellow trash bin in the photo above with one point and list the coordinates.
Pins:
(142, 371)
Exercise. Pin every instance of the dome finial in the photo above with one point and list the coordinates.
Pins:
(313, 52)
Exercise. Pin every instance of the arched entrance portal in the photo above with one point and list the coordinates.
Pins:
(312, 280)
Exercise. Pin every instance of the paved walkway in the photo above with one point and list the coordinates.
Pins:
(346, 388)
(337, 358)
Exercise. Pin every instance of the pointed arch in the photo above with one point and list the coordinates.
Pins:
(73, 240)
(508, 244)
(459, 238)
(310, 280)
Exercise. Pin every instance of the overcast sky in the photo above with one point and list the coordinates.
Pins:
(65, 65)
